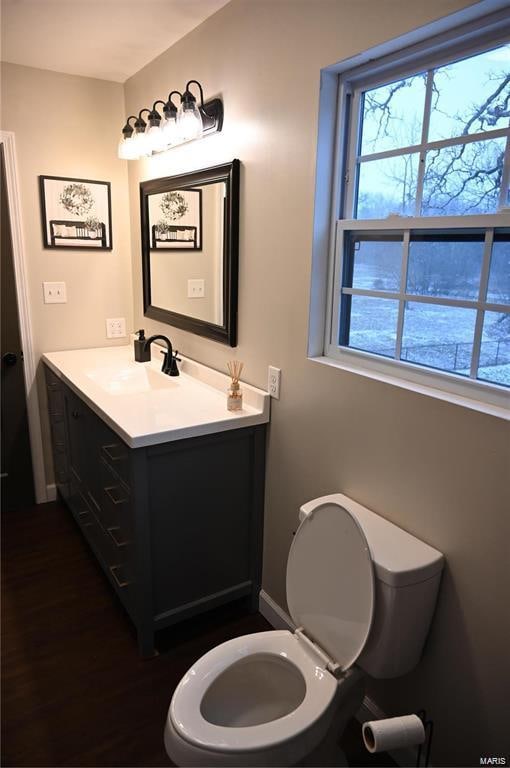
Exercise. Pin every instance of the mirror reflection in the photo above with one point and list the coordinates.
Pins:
(190, 250)
(187, 231)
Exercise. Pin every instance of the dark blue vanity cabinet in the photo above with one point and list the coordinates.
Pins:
(176, 527)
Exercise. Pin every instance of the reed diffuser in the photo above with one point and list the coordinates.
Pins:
(235, 395)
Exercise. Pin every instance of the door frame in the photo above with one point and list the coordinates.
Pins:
(25, 321)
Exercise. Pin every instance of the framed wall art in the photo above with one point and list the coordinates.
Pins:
(76, 213)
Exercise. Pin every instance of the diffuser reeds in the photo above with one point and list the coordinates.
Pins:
(235, 396)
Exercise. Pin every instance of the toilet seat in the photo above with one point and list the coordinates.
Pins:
(185, 710)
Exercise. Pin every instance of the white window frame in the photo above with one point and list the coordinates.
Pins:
(478, 394)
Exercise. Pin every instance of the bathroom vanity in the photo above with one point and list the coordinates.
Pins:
(165, 484)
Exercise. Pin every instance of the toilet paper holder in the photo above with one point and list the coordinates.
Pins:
(401, 732)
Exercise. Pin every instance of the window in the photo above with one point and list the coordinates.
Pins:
(421, 272)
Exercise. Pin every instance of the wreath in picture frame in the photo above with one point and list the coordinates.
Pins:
(77, 199)
(173, 206)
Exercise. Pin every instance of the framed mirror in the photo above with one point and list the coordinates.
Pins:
(190, 250)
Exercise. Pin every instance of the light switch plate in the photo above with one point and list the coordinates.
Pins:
(115, 327)
(196, 289)
(54, 293)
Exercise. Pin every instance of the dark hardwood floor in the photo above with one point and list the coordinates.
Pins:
(75, 692)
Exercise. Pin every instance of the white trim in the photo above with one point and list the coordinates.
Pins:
(51, 492)
(426, 146)
(273, 613)
(414, 378)
(25, 323)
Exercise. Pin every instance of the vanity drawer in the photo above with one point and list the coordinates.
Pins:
(116, 454)
(116, 503)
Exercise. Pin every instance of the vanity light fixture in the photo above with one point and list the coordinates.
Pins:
(176, 126)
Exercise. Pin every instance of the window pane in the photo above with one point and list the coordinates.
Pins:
(471, 96)
(373, 325)
(494, 362)
(499, 275)
(438, 336)
(445, 267)
(392, 115)
(387, 186)
(377, 264)
(464, 178)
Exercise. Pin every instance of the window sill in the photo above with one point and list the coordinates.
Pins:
(477, 396)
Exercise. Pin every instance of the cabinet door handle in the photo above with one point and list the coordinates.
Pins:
(112, 498)
(113, 571)
(117, 543)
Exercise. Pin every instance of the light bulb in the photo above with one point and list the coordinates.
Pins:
(142, 144)
(127, 149)
(189, 121)
(169, 131)
(123, 150)
(156, 138)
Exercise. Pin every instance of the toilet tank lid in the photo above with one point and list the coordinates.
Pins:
(399, 558)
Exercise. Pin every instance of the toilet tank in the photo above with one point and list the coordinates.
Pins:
(407, 573)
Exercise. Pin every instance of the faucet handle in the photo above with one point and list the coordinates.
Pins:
(179, 360)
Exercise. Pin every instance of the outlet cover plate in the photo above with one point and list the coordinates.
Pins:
(273, 381)
(115, 327)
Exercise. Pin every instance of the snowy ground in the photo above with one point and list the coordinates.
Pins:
(435, 336)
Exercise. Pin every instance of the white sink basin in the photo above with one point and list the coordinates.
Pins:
(147, 407)
(129, 380)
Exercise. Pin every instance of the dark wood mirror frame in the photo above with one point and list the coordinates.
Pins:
(229, 173)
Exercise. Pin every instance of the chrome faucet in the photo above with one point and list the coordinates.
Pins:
(170, 357)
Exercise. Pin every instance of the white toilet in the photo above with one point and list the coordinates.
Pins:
(360, 590)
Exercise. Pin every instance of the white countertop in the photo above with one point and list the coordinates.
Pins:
(147, 407)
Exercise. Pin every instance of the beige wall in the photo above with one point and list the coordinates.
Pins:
(69, 126)
(438, 470)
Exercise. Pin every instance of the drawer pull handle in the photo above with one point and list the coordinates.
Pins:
(94, 502)
(83, 516)
(110, 452)
(117, 543)
(53, 385)
(113, 571)
(76, 415)
(108, 491)
(56, 414)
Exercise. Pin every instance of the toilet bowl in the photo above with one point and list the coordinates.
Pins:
(272, 698)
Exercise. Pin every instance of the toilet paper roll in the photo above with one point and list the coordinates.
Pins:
(393, 733)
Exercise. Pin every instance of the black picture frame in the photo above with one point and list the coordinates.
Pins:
(226, 333)
(186, 235)
(70, 230)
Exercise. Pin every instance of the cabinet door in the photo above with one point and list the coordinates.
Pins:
(77, 416)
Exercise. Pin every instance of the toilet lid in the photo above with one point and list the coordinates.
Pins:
(330, 582)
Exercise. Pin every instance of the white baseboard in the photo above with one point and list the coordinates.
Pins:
(51, 492)
(279, 619)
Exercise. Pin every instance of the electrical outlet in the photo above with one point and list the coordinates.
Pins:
(196, 289)
(273, 381)
(54, 293)
(115, 327)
